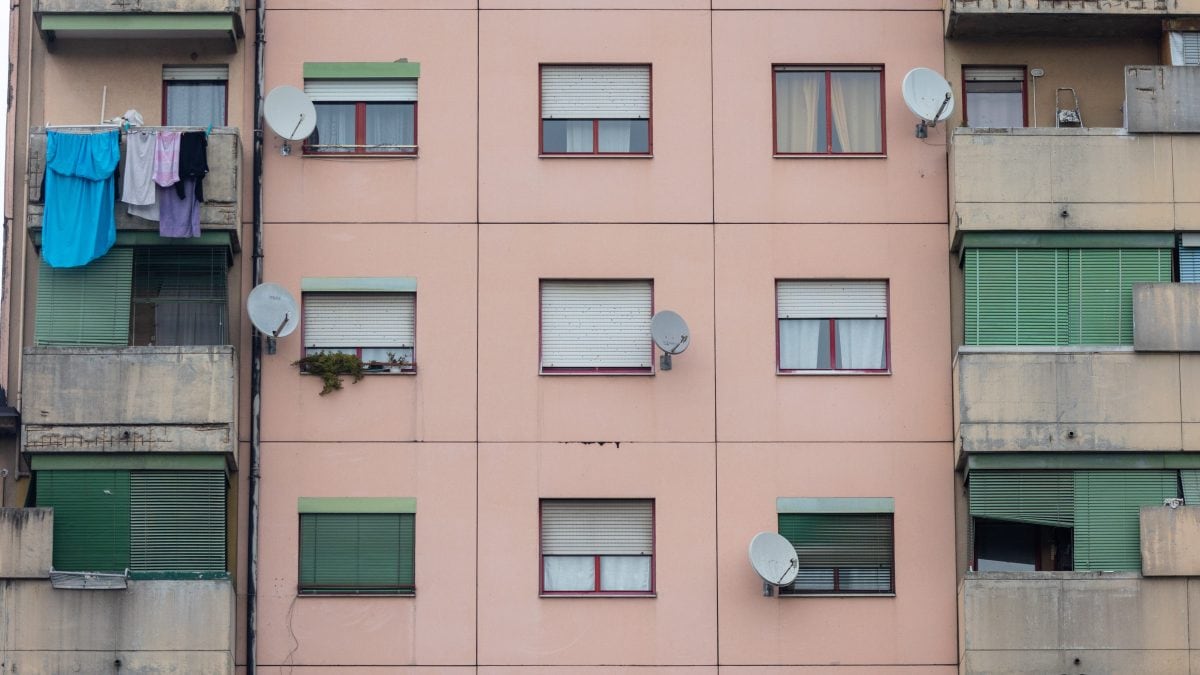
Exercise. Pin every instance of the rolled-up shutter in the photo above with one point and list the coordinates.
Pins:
(177, 521)
(974, 74)
(357, 552)
(1037, 497)
(596, 324)
(1107, 515)
(596, 92)
(598, 527)
(195, 73)
(350, 320)
(832, 299)
(86, 305)
(361, 90)
(91, 518)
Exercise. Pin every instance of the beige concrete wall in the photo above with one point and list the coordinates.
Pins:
(1170, 541)
(26, 543)
(1165, 317)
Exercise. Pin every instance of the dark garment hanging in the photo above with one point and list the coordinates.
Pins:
(193, 162)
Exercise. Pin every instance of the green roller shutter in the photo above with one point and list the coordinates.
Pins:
(86, 305)
(91, 518)
(1190, 479)
(1016, 296)
(1107, 521)
(855, 549)
(1101, 291)
(177, 521)
(356, 552)
(1036, 497)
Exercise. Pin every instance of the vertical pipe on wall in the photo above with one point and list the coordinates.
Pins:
(255, 344)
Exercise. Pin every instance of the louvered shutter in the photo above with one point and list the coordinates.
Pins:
(831, 299)
(1036, 497)
(195, 73)
(855, 549)
(1189, 264)
(596, 92)
(357, 552)
(1190, 480)
(1016, 297)
(177, 521)
(91, 518)
(596, 324)
(86, 305)
(598, 527)
(351, 320)
(1101, 291)
(361, 90)
(1107, 520)
(1185, 48)
(994, 74)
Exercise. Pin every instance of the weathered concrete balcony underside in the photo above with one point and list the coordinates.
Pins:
(129, 400)
(222, 186)
(1012, 18)
(1042, 179)
(124, 19)
(1078, 622)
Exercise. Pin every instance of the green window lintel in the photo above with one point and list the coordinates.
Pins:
(1082, 460)
(151, 461)
(144, 238)
(358, 505)
(835, 505)
(348, 70)
(359, 284)
(216, 23)
(1068, 240)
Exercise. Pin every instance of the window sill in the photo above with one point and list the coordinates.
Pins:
(838, 373)
(595, 373)
(831, 156)
(836, 595)
(634, 596)
(356, 156)
(585, 156)
(379, 594)
(410, 371)
(1031, 349)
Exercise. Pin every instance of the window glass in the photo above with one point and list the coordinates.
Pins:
(335, 128)
(834, 111)
(389, 125)
(995, 97)
(800, 112)
(180, 296)
(195, 104)
(567, 135)
(854, 107)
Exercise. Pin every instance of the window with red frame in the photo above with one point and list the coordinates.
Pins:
(595, 109)
(596, 326)
(827, 110)
(832, 325)
(597, 546)
(379, 328)
(363, 117)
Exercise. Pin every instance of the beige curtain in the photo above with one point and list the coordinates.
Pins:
(854, 102)
(799, 111)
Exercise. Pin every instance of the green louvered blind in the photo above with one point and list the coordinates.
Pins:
(1190, 480)
(1046, 296)
(1107, 521)
(86, 305)
(1036, 497)
(91, 518)
(177, 521)
(357, 552)
(840, 552)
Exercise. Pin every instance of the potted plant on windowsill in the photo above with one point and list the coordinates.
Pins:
(330, 367)
(393, 364)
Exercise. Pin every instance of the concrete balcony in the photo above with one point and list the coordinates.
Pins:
(1073, 180)
(145, 19)
(222, 187)
(1076, 622)
(130, 400)
(1043, 18)
(1073, 399)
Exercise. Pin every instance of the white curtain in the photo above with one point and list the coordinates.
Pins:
(854, 102)
(800, 343)
(800, 111)
(625, 573)
(579, 136)
(189, 323)
(616, 135)
(569, 573)
(860, 343)
(996, 110)
(389, 124)
(195, 104)
(335, 126)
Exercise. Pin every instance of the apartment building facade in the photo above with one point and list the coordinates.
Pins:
(496, 199)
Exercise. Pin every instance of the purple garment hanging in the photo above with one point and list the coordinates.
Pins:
(179, 217)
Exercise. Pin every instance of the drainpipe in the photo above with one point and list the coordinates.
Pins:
(256, 275)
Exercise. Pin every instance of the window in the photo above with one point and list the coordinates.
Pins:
(1056, 296)
(597, 546)
(1185, 48)
(378, 327)
(1066, 520)
(595, 110)
(194, 96)
(154, 523)
(831, 110)
(596, 327)
(357, 546)
(832, 325)
(152, 295)
(995, 97)
(1189, 258)
(363, 108)
(844, 546)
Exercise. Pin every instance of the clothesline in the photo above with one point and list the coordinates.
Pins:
(125, 128)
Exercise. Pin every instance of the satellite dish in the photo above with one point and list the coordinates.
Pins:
(774, 559)
(927, 94)
(290, 113)
(272, 310)
(670, 333)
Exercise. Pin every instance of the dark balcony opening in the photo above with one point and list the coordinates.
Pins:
(1021, 547)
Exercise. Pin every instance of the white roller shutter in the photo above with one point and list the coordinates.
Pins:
(194, 73)
(359, 320)
(361, 90)
(994, 74)
(596, 92)
(832, 299)
(1185, 48)
(596, 324)
(598, 527)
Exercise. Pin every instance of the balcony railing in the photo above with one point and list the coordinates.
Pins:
(1023, 18)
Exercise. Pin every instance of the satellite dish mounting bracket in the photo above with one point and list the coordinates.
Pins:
(924, 125)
